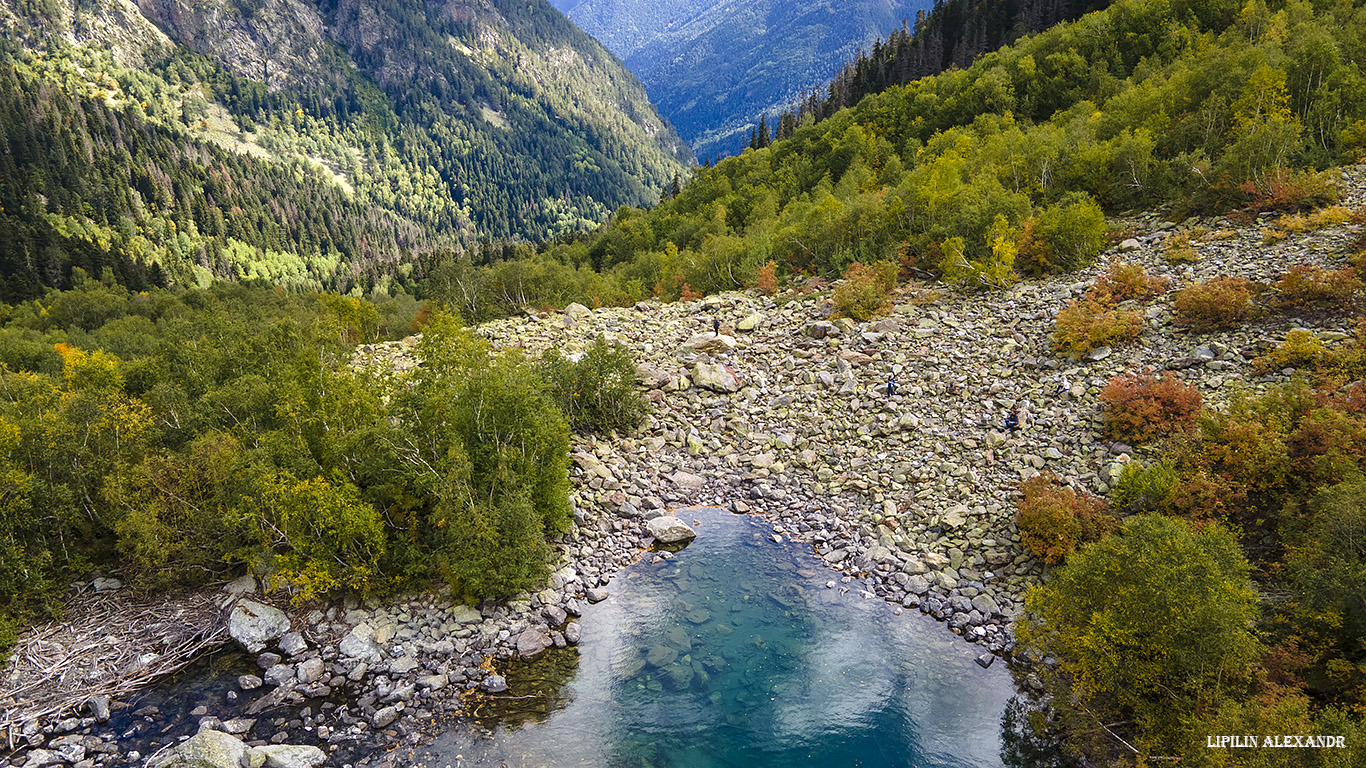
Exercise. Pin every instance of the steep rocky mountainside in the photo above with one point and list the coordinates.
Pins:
(438, 124)
(714, 68)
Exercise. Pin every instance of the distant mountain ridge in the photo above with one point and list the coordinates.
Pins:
(714, 67)
(453, 121)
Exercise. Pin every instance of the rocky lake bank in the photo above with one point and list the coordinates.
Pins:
(784, 413)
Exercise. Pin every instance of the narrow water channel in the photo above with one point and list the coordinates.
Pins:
(736, 653)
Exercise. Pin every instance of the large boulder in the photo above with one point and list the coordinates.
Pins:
(532, 641)
(652, 377)
(670, 530)
(465, 614)
(255, 625)
(286, 756)
(360, 643)
(206, 749)
(707, 342)
(716, 377)
(579, 313)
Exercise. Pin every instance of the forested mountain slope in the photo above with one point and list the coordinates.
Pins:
(993, 169)
(305, 143)
(713, 68)
(952, 34)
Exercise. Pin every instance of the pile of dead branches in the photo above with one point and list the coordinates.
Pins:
(108, 644)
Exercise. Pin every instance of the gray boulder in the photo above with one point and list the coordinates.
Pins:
(255, 625)
(360, 643)
(464, 614)
(310, 671)
(708, 342)
(579, 313)
(670, 530)
(293, 644)
(532, 641)
(384, 717)
(287, 756)
(206, 749)
(716, 377)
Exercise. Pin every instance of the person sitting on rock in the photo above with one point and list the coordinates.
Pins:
(1063, 386)
(1012, 422)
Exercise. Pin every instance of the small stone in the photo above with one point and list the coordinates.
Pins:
(596, 594)
(248, 682)
(310, 671)
(293, 643)
(494, 684)
(383, 718)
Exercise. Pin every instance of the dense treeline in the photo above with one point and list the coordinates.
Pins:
(177, 437)
(1204, 106)
(951, 34)
(86, 186)
(185, 170)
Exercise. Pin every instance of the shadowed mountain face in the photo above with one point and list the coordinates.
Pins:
(433, 124)
(713, 67)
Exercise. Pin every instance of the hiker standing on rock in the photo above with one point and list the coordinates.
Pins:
(891, 386)
(716, 325)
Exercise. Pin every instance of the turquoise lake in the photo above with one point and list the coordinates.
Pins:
(735, 653)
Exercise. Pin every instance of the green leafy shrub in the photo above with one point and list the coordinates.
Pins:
(1223, 302)
(1126, 282)
(174, 524)
(1301, 349)
(322, 534)
(1314, 286)
(491, 449)
(866, 290)
(1140, 408)
(1144, 624)
(1064, 237)
(1086, 324)
(1143, 487)
(1054, 520)
(598, 392)
(1326, 563)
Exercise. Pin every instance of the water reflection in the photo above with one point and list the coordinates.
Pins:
(735, 654)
